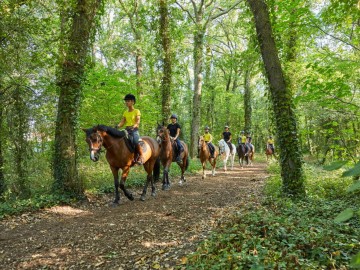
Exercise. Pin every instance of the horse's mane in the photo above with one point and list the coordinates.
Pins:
(111, 131)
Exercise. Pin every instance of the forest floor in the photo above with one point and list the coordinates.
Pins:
(155, 234)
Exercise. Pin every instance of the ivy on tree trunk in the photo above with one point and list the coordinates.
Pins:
(287, 137)
(70, 82)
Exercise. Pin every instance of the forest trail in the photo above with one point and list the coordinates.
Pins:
(155, 234)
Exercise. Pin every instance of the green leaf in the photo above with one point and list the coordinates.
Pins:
(335, 165)
(354, 186)
(355, 261)
(355, 171)
(344, 215)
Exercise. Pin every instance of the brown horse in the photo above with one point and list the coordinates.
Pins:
(120, 155)
(204, 154)
(269, 153)
(167, 156)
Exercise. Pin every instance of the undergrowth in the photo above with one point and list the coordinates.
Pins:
(279, 233)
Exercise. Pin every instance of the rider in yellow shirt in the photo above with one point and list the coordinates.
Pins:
(243, 141)
(131, 121)
(208, 139)
(270, 143)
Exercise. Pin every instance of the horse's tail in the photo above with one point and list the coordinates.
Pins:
(156, 170)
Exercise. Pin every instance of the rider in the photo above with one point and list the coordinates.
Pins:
(208, 139)
(270, 143)
(227, 137)
(243, 140)
(248, 142)
(174, 129)
(131, 121)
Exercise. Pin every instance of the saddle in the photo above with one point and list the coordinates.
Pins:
(130, 144)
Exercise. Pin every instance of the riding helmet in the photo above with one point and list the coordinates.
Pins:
(130, 97)
(226, 127)
(242, 132)
(173, 116)
(206, 128)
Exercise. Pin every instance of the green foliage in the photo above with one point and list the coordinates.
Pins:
(37, 202)
(286, 234)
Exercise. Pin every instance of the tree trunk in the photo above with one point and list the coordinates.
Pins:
(19, 128)
(167, 74)
(287, 137)
(2, 174)
(247, 102)
(196, 111)
(70, 82)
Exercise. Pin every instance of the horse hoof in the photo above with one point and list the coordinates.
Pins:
(131, 197)
(180, 183)
(167, 187)
(142, 198)
(153, 194)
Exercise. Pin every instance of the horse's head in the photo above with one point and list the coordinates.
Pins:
(94, 140)
(222, 144)
(201, 141)
(162, 133)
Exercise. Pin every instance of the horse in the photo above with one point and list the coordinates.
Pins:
(167, 156)
(204, 155)
(241, 153)
(224, 149)
(120, 155)
(269, 153)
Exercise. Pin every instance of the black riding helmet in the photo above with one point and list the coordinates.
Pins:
(130, 97)
(173, 116)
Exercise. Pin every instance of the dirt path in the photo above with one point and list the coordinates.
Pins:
(155, 234)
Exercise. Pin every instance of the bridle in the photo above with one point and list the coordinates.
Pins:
(99, 141)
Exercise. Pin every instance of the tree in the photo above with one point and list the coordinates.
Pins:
(167, 72)
(70, 82)
(202, 15)
(289, 146)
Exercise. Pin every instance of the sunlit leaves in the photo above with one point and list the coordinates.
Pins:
(355, 171)
(335, 165)
(344, 215)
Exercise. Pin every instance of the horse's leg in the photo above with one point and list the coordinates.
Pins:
(213, 165)
(225, 162)
(124, 175)
(115, 172)
(166, 182)
(182, 167)
(149, 179)
(203, 163)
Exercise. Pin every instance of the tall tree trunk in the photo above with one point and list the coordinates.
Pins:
(289, 146)
(70, 82)
(2, 174)
(198, 68)
(247, 101)
(135, 23)
(167, 73)
(19, 128)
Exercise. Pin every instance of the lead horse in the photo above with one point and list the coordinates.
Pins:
(120, 155)
(225, 151)
(204, 155)
(167, 156)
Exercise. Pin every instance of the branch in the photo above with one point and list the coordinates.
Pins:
(334, 37)
(225, 11)
(187, 11)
